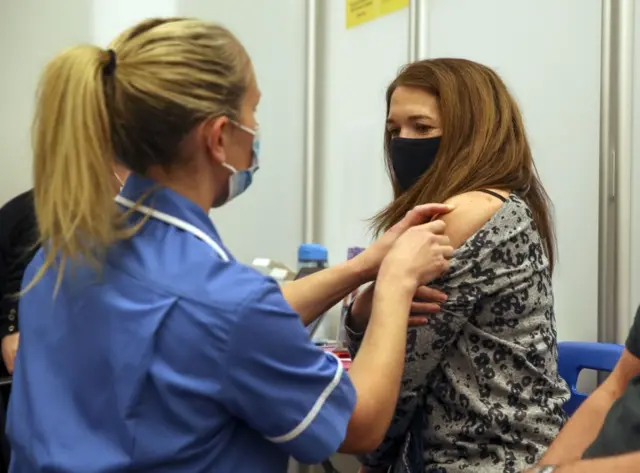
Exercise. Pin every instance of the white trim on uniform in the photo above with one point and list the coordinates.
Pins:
(315, 410)
(176, 222)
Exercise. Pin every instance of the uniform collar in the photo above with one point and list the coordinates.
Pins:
(168, 201)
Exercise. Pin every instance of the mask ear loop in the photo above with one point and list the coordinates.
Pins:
(119, 180)
(225, 165)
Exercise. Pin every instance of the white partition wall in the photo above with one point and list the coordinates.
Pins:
(635, 171)
(267, 221)
(548, 53)
(111, 17)
(357, 66)
(28, 39)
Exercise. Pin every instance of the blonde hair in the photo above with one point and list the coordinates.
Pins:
(170, 75)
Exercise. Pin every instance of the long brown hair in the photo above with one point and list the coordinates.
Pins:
(135, 103)
(483, 144)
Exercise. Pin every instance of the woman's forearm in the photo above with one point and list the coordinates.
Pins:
(361, 310)
(313, 295)
(619, 464)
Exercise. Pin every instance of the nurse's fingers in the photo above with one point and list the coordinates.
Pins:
(421, 214)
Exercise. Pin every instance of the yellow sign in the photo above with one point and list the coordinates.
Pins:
(362, 11)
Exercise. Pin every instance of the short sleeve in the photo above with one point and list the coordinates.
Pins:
(633, 340)
(281, 384)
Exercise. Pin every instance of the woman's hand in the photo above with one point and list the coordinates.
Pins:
(427, 301)
(9, 350)
(372, 257)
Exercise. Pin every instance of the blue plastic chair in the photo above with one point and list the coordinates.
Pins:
(573, 357)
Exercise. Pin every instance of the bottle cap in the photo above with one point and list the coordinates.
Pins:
(312, 252)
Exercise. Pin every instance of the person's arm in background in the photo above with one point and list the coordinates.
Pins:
(629, 463)
(4, 237)
(9, 321)
(313, 295)
(18, 240)
(472, 212)
(584, 425)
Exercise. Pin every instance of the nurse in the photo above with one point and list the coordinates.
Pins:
(144, 345)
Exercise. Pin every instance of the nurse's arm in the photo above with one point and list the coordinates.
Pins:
(317, 293)
(313, 295)
(377, 369)
(300, 397)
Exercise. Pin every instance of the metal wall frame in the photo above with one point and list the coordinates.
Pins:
(311, 199)
(418, 34)
(616, 141)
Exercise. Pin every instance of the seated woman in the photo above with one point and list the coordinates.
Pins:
(481, 390)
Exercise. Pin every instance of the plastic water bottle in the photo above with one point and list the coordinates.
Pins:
(312, 255)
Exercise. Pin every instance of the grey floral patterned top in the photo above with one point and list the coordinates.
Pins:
(484, 370)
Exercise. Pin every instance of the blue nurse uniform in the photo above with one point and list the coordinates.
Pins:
(175, 358)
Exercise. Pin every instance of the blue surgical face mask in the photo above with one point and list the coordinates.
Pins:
(240, 180)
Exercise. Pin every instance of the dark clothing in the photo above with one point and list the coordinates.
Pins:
(620, 432)
(18, 239)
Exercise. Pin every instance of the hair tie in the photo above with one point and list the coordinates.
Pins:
(110, 66)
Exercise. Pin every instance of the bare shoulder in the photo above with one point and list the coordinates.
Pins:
(472, 211)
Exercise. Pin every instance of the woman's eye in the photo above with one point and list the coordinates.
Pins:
(394, 132)
(423, 129)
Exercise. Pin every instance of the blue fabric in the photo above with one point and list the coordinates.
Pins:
(170, 360)
(573, 357)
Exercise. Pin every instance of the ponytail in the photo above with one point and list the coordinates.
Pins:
(172, 74)
(73, 156)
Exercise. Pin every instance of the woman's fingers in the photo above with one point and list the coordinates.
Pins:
(428, 294)
(418, 307)
(417, 321)
(427, 301)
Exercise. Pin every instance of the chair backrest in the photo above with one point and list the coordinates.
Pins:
(573, 357)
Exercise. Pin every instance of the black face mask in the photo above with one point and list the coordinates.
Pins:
(411, 158)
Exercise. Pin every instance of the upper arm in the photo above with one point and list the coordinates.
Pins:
(472, 211)
(281, 384)
(627, 367)
(426, 344)
(629, 364)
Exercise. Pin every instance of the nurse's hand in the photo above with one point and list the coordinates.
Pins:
(9, 350)
(420, 255)
(373, 256)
